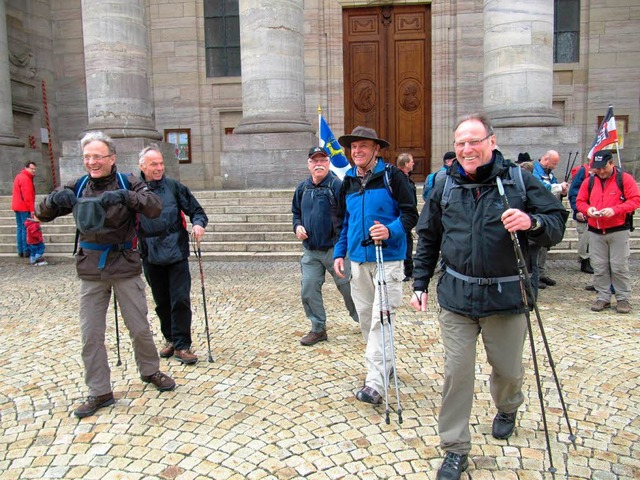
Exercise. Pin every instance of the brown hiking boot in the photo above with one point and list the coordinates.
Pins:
(162, 382)
(185, 356)
(92, 404)
(600, 305)
(312, 338)
(623, 306)
(167, 350)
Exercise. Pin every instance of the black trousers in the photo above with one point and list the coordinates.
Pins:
(408, 259)
(171, 290)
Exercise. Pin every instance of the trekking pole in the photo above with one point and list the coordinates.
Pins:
(570, 166)
(115, 311)
(525, 287)
(567, 169)
(198, 253)
(383, 299)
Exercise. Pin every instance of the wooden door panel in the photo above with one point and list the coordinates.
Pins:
(387, 65)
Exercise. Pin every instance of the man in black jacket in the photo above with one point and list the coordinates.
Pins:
(479, 291)
(315, 222)
(164, 244)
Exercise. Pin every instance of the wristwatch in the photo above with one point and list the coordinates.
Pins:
(535, 224)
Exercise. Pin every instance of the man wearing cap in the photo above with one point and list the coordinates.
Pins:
(376, 203)
(607, 199)
(164, 245)
(315, 222)
(105, 217)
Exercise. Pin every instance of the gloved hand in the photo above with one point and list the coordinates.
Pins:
(114, 197)
(65, 198)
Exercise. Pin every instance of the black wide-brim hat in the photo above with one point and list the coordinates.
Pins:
(362, 133)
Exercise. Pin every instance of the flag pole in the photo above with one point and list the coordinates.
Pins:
(319, 123)
(618, 152)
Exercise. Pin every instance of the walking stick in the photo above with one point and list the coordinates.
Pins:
(198, 253)
(569, 168)
(525, 287)
(383, 299)
(115, 311)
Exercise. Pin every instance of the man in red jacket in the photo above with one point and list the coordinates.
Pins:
(606, 200)
(23, 203)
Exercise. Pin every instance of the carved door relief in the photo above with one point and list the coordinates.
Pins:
(387, 78)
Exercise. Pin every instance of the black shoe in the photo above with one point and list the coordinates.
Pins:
(590, 288)
(585, 266)
(369, 395)
(452, 466)
(548, 280)
(503, 425)
(93, 404)
(542, 285)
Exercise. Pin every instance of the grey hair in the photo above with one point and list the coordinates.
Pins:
(481, 117)
(152, 147)
(99, 137)
(403, 159)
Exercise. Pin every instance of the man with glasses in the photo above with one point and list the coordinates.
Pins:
(315, 222)
(479, 292)
(105, 213)
(378, 205)
(23, 202)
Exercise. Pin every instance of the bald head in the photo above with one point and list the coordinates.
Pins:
(550, 160)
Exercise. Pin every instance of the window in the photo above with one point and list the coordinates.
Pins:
(222, 37)
(181, 138)
(566, 31)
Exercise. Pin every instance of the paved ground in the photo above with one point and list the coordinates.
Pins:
(269, 408)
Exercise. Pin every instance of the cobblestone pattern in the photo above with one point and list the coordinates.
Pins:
(269, 408)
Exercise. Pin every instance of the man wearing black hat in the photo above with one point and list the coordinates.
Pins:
(607, 199)
(315, 222)
(377, 203)
(106, 260)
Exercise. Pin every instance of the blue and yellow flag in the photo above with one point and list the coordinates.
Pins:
(339, 162)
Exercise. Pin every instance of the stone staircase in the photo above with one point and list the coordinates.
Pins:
(244, 225)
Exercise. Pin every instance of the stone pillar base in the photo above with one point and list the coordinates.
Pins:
(127, 150)
(269, 160)
(137, 132)
(266, 124)
(536, 141)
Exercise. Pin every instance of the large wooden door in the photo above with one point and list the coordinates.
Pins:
(387, 78)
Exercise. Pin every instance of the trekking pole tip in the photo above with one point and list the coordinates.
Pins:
(573, 439)
(552, 470)
(210, 359)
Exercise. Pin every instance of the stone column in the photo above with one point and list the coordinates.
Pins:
(116, 56)
(7, 136)
(518, 63)
(272, 47)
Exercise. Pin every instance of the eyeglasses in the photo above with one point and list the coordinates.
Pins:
(472, 143)
(95, 158)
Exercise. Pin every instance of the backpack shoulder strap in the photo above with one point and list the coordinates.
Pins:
(516, 175)
(123, 181)
(620, 182)
(80, 184)
(387, 178)
(449, 182)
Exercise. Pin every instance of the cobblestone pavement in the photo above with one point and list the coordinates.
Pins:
(270, 408)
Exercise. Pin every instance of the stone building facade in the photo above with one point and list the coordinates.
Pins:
(138, 70)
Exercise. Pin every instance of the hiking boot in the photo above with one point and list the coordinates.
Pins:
(548, 280)
(503, 425)
(167, 350)
(312, 338)
(162, 382)
(585, 266)
(623, 306)
(452, 466)
(92, 404)
(369, 395)
(542, 285)
(600, 305)
(185, 356)
(590, 288)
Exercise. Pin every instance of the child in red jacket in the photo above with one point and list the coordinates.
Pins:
(35, 241)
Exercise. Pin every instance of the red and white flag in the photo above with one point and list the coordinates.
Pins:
(607, 134)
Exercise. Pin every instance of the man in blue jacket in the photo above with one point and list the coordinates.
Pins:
(376, 203)
(164, 244)
(315, 222)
